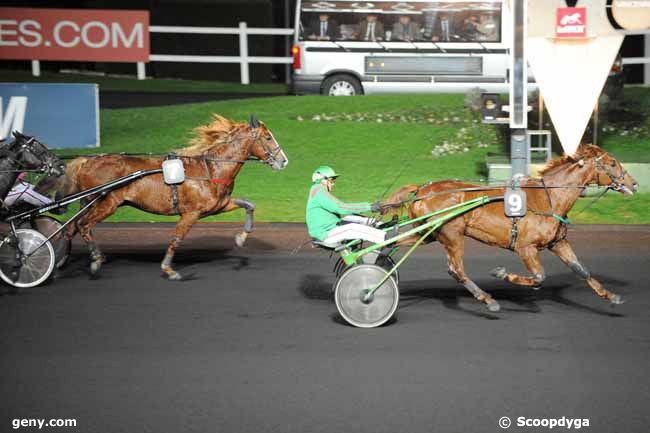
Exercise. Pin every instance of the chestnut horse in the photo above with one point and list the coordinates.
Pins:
(216, 156)
(549, 200)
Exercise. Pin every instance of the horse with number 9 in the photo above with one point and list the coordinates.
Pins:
(549, 200)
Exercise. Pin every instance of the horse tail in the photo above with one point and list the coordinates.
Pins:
(399, 201)
(69, 183)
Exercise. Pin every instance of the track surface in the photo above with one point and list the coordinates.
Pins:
(252, 344)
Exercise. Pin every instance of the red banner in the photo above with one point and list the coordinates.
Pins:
(74, 34)
(571, 22)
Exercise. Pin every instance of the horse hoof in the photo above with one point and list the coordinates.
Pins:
(240, 239)
(494, 306)
(174, 276)
(94, 269)
(498, 272)
(616, 300)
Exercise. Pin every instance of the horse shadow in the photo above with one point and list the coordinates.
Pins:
(525, 299)
(186, 262)
(449, 294)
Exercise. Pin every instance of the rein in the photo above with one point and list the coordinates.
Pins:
(476, 188)
(160, 155)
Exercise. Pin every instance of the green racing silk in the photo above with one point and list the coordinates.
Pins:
(324, 211)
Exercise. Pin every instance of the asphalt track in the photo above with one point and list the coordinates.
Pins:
(252, 342)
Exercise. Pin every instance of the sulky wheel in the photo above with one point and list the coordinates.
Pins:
(373, 258)
(349, 293)
(26, 259)
(48, 225)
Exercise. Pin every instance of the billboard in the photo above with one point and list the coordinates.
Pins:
(74, 34)
(59, 115)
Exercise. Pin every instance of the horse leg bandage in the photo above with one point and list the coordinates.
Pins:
(580, 270)
(250, 208)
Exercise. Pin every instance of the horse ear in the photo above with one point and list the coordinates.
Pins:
(254, 122)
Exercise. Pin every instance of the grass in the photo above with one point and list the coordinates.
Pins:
(130, 85)
(627, 133)
(372, 156)
(613, 208)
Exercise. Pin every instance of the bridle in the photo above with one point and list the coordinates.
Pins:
(43, 155)
(616, 180)
(271, 154)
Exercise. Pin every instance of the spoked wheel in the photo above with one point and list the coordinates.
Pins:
(350, 291)
(48, 225)
(386, 262)
(22, 262)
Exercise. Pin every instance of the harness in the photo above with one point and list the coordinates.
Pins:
(561, 232)
(270, 154)
(514, 232)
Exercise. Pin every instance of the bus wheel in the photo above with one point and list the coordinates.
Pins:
(342, 85)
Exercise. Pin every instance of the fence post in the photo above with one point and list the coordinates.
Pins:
(36, 68)
(243, 52)
(142, 74)
(646, 67)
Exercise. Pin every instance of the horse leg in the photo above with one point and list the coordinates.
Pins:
(249, 206)
(454, 244)
(529, 255)
(565, 252)
(98, 212)
(182, 228)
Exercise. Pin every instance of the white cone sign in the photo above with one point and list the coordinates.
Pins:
(570, 52)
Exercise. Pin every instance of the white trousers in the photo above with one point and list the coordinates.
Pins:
(23, 191)
(348, 232)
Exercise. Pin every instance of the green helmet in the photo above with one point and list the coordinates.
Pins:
(323, 172)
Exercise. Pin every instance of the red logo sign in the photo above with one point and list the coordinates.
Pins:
(571, 22)
(74, 34)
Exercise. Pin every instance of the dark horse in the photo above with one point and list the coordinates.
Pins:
(25, 153)
(549, 200)
(211, 164)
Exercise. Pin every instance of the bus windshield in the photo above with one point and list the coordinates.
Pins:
(422, 21)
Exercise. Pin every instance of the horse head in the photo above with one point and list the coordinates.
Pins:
(605, 169)
(265, 147)
(30, 154)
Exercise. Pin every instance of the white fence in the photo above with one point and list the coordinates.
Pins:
(245, 60)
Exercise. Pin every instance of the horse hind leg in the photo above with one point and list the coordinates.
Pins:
(98, 212)
(530, 257)
(454, 246)
(182, 228)
(565, 252)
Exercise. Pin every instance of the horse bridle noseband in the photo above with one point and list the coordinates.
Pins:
(615, 183)
(269, 153)
(46, 167)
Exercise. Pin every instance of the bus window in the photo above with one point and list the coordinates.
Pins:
(436, 21)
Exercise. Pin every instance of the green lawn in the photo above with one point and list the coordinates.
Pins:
(149, 85)
(375, 142)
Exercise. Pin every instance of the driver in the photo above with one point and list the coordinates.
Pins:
(25, 191)
(325, 212)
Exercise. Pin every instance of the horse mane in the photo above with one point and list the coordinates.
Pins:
(584, 151)
(214, 134)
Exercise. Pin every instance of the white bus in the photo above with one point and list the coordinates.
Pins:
(409, 46)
